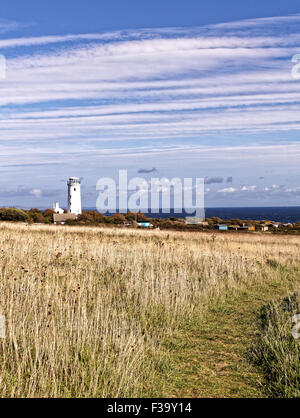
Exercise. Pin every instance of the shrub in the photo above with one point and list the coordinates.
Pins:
(13, 214)
(34, 211)
(140, 217)
(214, 220)
(91, 217)
(118, 218)
(48, 221)
(130, 216)
(71, 222)
(48, 213)
(39, 218)
(107, 219)
(36, 215)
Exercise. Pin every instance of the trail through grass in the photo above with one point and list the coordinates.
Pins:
(210, 356)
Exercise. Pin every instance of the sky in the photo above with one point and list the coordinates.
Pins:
(172, 88)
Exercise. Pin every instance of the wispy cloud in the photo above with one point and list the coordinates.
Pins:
(47, 40)
(157, 86)
(72, 96)
(11, 26)
(7, 26)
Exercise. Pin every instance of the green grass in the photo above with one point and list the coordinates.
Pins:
(210, 356)
(276, 351)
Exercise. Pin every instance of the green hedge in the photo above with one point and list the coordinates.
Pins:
(13, 214)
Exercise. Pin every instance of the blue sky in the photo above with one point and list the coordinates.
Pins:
(191, 88)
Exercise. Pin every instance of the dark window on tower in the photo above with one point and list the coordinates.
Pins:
(74, 189)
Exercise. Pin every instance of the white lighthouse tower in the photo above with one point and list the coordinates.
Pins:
(74, 196)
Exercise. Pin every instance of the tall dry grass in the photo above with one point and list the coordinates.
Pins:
(87, 309)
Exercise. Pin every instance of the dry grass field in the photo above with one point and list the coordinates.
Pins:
(97, 312)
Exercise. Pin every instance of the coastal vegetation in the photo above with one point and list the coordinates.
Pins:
(131, 220)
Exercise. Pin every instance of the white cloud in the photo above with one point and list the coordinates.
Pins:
(263, 22)
(248, 188)
(273, 187)
(36, 193)
(228, 190)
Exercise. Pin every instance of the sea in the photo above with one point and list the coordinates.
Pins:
(289, 214)
(278, 214)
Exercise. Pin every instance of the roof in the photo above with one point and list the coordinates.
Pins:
(62, 217)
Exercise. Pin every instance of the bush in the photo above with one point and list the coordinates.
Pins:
(130, 216)
(49, 213)
(107, 219)
(39, 218)
(13, 214)
(34, 211)
(71, 222)
(140, 217)
(48, 221)
(36, 215)
(91, 218)
(214, 220)
(118, 218)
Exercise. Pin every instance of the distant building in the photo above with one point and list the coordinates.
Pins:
(234, 227)
(61, 218)
(262, 228)
(221, 227)
(274, 225)
(56, 208)
(247, 228)
(144, 225)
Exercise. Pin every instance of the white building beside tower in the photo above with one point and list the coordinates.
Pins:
(74, 196)
(57, 209)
